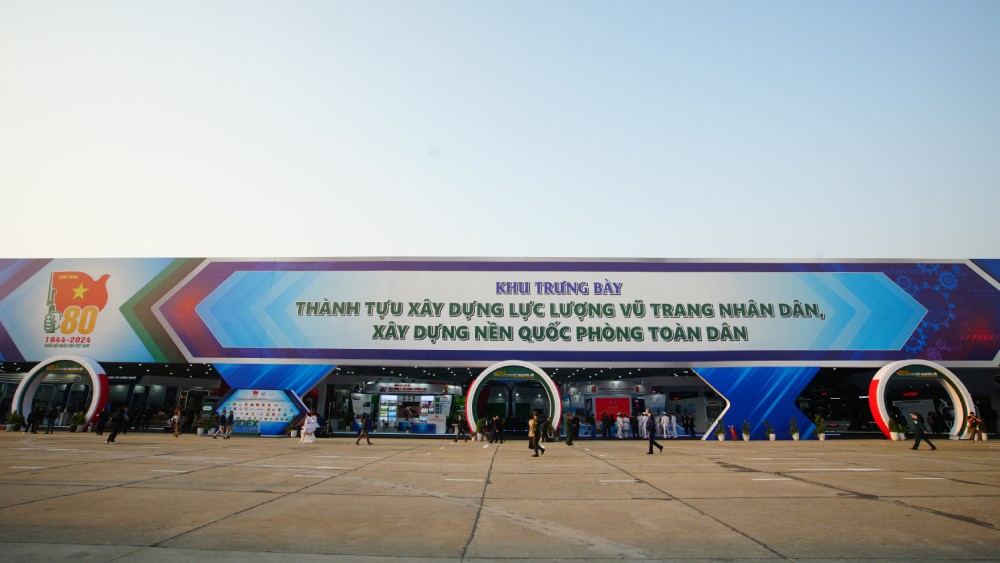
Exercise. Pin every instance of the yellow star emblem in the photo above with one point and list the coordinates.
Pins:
(79, 291)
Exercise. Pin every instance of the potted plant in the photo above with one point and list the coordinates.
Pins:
(900, 431)
(292, 428)
(769, 431)
(746, 430)
(720, 430)
(13, 422)
(480, 427)
(793, 429)
(820, 427)
(207, 422)
(76, 421)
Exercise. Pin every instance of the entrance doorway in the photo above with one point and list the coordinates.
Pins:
(515, 390)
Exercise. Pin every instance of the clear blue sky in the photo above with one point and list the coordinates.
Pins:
(770, 129)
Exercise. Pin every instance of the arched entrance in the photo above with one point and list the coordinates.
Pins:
(924, 371)
(513, 372)
(25, 394)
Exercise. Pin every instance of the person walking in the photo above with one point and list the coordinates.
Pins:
(178, 420)
(651, 432)
(221, 428)
(102, 421)
(572, 429)
(460, 428)
(918, 432)
(363, 431)
(671, 425)
(117, 424)
(230, 421)
(535, 434)
(605, 425)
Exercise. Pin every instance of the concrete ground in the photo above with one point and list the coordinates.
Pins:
(152, 497)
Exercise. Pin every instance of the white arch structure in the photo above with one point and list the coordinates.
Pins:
(25, 393)
(555, 400)
(956, 390)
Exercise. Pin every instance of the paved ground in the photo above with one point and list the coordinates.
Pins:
(152, 497)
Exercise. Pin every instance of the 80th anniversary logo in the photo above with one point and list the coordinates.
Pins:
(74, 301)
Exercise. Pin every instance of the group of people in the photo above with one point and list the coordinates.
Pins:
(37, 416)
(493, 427)
(225, 427)
(973, 423)
(638, 426)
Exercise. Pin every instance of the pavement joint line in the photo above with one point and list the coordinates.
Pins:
(169, 470)
(480, 504)
(688, 504)
(835, 469)
(278, 496)
(137, 481)
(897, 502)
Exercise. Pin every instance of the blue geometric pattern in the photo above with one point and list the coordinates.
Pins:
(759, 394)
(299, 378)
(872, 313)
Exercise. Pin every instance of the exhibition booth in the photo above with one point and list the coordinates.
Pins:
(410, 408)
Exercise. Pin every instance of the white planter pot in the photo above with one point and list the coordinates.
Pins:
(772, 437)
(902, 436)
(821, 436)
(721, 437)
(294, 433)
(201, 431)
(746, 437)
(795, 436)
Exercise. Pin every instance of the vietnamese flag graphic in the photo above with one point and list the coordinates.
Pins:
(78, 288)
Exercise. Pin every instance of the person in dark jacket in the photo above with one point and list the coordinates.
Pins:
(688, 422)
(460, 428)
(917, 422)
(117, 424)
(50, 419)
(33, 420)
(572, 429)
(102, 421)
(497, 429)
(651, 432)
